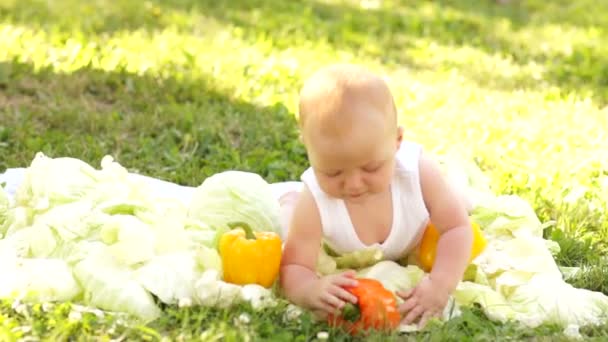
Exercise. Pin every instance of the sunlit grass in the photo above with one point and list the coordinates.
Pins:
(183, 89)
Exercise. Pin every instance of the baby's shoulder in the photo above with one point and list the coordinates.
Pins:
(407, 159)
(306, 214)
(309, 179)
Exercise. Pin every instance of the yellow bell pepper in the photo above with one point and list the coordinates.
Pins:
(428, 246)
(248, 257)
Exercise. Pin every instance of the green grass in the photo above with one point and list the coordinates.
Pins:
(182, 89)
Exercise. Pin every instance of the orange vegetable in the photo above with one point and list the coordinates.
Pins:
(428, 245)
(376, 308)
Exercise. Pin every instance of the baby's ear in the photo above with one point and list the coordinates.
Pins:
(399, 136)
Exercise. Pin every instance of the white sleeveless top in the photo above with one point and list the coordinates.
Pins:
(410, 215)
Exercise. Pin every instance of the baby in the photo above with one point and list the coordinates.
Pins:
(367, 187)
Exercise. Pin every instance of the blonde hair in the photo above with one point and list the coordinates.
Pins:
(333, 93)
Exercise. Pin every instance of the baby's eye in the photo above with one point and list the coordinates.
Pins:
(333, 174)
(373, 168)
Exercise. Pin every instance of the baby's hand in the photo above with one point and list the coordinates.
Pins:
(328, 294)
(425, 301)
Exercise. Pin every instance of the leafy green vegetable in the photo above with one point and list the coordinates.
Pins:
(123, 245)
(130, 240)
(36, 280)
(111, 286)
(236, 196)
(212, 291)
(493, 303)
(32, 242)
(170, 277)
(330, 262)
(393, 276)
(359, 259)
(48, 182)
(71, 221)
(17, 218)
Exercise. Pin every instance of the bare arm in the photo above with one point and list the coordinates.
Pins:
(299, 281)
(301, 249)
(450, 217)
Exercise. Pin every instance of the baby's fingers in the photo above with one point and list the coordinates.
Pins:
(342, 281)
(408, 305)
(406, 294)
(413, 315)
(334, 302)
(349, 274)
(425, 318)
(343, 294)
(322, 305)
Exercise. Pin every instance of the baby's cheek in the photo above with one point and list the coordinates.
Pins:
(382, 181)
(331, 187)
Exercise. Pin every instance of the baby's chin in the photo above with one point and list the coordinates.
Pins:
(356, 199)
(350, 197)
(359, 198)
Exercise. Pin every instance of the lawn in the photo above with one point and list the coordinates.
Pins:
(183, 89)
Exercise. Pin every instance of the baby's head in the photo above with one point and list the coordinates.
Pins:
(349, 127)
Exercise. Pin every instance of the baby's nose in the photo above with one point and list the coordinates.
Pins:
(354, 182)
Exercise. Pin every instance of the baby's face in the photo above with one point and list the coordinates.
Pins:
(348, 122)
(356, 165)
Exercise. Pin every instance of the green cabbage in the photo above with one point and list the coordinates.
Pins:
(17, 218)
(48, 182)
(130, 240)
(170, 277)
(35, 279)
(69, 221)
(111, 286)
(101, 237)
(393, 276)
(545, 298)
(36, 241)
(212, 291)
(235, 196)
(494, 304)
(331, 262)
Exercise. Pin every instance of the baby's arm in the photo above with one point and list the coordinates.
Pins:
(449, 215)
(299, 281)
